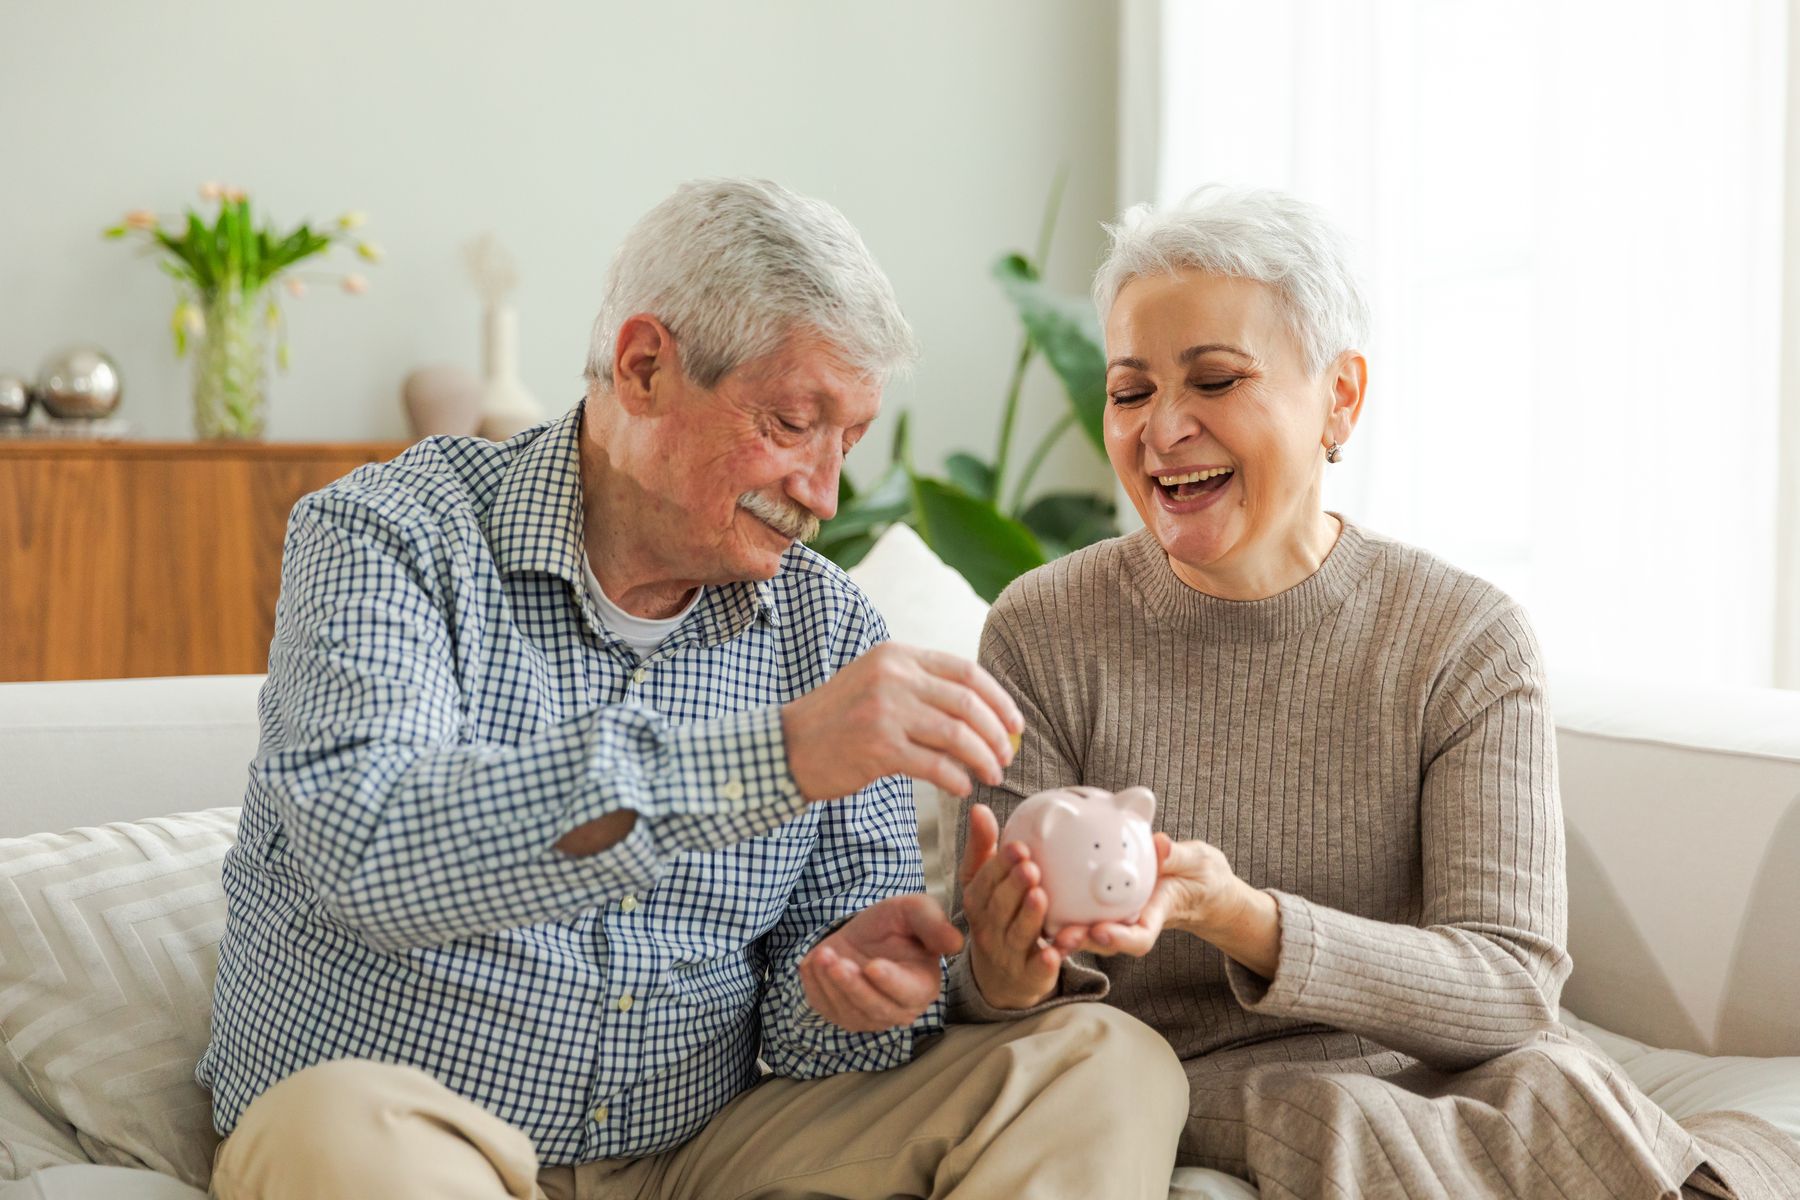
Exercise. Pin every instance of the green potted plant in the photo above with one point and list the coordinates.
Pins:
(979, 516)
(227, 308)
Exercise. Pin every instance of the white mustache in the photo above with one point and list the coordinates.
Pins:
(790, 520)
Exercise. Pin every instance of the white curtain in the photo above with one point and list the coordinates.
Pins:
(1570, 219)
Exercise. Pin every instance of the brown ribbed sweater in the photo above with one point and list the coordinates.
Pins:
(1373, 746)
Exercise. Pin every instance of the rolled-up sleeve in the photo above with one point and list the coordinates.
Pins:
(413, 836)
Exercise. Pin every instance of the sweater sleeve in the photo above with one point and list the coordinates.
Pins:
(1045, 759)
(1482, 972)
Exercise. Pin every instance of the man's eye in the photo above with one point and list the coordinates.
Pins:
(1129, 397)
(789, 426)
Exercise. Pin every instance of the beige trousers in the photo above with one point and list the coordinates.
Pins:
(1080, 1101)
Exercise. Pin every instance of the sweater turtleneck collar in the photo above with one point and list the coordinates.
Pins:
(1273, 618)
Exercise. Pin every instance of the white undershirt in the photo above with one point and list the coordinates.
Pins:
(640, 633)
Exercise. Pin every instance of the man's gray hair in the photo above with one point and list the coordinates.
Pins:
(1249, 233)
(734, 267)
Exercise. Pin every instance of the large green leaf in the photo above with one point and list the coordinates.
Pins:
(887, 501)
(971, 475)
(847, 552)
(1068, 521)
(984, 545)
(1067, 333)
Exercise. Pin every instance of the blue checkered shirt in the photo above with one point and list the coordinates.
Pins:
(443, 704)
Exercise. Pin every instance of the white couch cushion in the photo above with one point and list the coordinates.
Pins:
(31, 1138)
(108, 947)
(924, 603)
(99, 1183)
(91, 751)
(1682, 806)
(1684, 1084)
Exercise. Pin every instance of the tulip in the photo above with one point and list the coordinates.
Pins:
(236, 195)
(352, 220)
(369, 251)
(211, 191)
(295, 287)
(141, 218)
(356, 285)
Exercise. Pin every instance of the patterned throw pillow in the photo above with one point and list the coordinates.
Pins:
(108, 945)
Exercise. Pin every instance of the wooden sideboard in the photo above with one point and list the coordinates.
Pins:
(123, 559)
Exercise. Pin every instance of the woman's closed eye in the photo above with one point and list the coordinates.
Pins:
(1215, 385)
(1131, 395)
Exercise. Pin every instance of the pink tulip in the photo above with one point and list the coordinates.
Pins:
(235, 194)
(356, 285)
(211, 191)
(141, 218)
(295, 287)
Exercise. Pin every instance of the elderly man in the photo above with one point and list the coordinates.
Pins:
(580, 789)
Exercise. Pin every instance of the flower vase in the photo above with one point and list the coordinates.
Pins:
(506, 407)
(231, 366)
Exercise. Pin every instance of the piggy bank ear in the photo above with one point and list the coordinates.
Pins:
(1139, 801)
(1061, 809)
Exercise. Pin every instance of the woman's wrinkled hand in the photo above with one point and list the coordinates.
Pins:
(1005, 908)
(1196, 891)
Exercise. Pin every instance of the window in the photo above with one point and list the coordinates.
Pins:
(1570, 219)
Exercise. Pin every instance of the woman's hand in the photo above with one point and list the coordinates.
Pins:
(1196, 892)
(1005, 908)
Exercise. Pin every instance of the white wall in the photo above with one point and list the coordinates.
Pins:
(936, 126)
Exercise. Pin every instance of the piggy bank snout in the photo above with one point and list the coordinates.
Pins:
(1118, 883)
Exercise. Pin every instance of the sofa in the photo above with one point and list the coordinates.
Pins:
(1682, 807)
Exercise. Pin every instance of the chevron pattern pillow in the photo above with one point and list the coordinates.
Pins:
(108, 945)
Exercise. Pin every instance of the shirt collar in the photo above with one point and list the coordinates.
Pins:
(535, 526)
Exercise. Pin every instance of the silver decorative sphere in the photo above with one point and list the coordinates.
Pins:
(79, 382)
(15, 397)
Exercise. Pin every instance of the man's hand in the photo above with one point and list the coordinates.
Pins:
(1005, 908)
(884, 968)
(899, 710)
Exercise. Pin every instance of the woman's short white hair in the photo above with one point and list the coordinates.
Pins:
(1249, 233)
(734, 267)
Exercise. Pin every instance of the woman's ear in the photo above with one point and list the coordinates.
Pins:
(1349, 384)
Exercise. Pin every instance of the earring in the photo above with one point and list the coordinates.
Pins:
(1333, 453)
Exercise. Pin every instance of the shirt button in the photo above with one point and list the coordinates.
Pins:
(733, 789)
(639, 675)
(629, 903)
(600, 1115)
(625, 1002)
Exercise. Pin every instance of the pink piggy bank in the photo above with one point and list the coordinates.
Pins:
(1094, 849)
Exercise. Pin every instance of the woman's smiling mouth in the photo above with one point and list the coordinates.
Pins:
(1193, 489)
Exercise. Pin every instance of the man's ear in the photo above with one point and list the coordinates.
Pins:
(644, 360)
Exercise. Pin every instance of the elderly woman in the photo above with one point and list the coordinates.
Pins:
(1355, 944)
